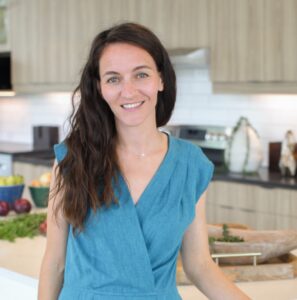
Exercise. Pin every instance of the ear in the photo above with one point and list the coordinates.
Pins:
(161, 84)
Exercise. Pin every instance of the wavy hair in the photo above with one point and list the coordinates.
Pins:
(85, 176)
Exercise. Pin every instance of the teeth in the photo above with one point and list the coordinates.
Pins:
(132, 105)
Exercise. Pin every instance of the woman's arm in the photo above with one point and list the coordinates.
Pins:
(198, 264)
(52, 267)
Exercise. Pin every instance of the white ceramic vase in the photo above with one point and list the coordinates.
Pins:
(244, 153)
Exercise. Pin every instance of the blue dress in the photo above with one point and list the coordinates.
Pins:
(128, 251)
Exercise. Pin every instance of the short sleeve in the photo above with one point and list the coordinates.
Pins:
(203, 171)
(60, 151)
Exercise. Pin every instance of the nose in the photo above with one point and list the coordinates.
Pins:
(128, 89)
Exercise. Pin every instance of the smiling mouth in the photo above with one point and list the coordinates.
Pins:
(132, 105)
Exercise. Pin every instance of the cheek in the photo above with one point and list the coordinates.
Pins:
(108, 94)
(151, 89)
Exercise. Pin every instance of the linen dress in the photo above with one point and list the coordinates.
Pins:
(130, 251)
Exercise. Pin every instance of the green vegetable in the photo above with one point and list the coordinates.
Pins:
(21, 226)
(226, 237)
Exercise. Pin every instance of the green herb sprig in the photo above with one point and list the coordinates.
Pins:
(21, 226)
(226, 237)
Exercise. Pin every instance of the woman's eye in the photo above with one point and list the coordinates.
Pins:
(113, 80)
(142, 75)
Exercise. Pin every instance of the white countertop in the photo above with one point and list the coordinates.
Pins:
(17, 286)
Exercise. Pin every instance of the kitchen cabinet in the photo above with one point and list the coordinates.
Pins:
(30, 172)
(51, 38)
(254, 45)
(252, 205)
(179, 24)
(41, 45)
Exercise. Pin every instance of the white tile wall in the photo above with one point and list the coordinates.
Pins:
(18, 115)
(271, 115)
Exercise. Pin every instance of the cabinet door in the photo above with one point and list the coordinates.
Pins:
(254, 41)
(237, 40)
(280, 40)
(178, 24)
(40, 46)
(252, 205)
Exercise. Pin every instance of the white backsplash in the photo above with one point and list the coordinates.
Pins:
(271, 115)
(19, 114)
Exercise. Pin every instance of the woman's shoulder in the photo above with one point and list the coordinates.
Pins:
(187, 147)
(199, 168)
(60, 151)
(190, 152)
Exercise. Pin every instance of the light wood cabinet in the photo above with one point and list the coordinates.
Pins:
(179, 24)
(51, 38)
(280, 40)
(237, 40)
(254, 45)
(44, 52)
(255, 206)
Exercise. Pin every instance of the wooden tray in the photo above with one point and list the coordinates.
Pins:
(284, 267)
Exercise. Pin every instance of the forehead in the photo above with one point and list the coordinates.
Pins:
(118, 55)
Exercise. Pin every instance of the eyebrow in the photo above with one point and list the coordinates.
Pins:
(135, 69)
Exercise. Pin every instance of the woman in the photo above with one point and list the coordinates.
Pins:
(126, 196)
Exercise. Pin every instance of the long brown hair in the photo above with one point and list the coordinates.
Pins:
(85, 175)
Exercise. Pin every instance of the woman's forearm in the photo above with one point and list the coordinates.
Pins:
(50, 281)
(211, 281)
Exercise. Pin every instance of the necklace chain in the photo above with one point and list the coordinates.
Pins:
(140, 155)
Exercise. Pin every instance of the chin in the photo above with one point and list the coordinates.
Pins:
(132, 122)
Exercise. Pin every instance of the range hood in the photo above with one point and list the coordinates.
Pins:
(189, 57)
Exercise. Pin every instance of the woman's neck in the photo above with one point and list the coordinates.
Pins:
(140, 141)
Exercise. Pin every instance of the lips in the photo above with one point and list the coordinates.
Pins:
(132, 105)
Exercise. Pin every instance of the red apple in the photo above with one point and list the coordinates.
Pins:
(4, 208)
(43, 227)
(22, 205)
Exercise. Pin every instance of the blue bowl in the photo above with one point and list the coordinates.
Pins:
(10, 193)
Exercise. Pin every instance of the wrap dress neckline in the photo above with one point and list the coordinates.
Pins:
(151, 183)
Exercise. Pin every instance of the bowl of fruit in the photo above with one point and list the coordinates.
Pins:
(11, 188)
(39, 190)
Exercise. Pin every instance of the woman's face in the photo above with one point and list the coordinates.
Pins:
(129, 83)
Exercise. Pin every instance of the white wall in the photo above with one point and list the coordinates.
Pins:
(18, 115)
(271, 115)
